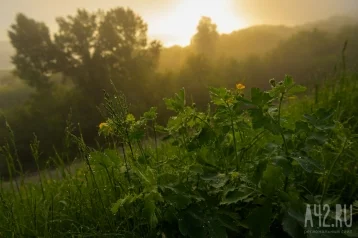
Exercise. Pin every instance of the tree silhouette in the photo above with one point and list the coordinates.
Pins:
(35, 56)
(90, 48)
(205, 40)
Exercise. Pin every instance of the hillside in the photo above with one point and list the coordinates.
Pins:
(331, 24)
(253, 41)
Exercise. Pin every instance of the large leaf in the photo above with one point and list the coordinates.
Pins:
(259, 170)
(191, 225)
(177, 103)
(308, 164)
(149, 212)
(259, 220)
(297, 89)
(216, 180)
(272, 180)
(292, 227)
(284, 163)
(217, 230)
(233, 195)
(219, 96)
(259, 98)
(128, 199)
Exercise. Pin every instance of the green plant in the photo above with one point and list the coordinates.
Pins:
(245, 167)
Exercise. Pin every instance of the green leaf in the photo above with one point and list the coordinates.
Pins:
(177, 103)
(216, 180)
(272, 179)
(317, 138)
(149, 212)
(217, 230)
(128, 199)
(259, 170)
(219, 96)
(183, 226)
(190, 225)
(228, 220)
(288, 81)
(301, 126)
(292, 227)
(259, 220)
(284, 163)
(180, 201)
(197, 168)
(259, 98)
(308, 164)
(151, 114)
(233, 195)
(297, 89)
(258, 118)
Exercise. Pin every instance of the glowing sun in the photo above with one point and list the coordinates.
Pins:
(180, 22)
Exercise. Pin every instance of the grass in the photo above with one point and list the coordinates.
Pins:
(246, 167)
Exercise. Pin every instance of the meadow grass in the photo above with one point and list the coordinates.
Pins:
(224, 172)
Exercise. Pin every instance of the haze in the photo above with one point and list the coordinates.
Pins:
(174, 21)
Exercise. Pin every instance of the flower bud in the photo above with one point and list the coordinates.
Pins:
(273, 82)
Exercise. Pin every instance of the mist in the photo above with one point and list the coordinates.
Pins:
(159, 12)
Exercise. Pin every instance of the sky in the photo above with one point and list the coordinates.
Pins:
(174, 21)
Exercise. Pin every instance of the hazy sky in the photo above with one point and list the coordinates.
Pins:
(174, 21)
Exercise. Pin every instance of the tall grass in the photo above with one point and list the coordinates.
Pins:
(238, 169)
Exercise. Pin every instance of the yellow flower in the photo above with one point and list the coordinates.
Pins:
(240, 86)
(102, 125)
(234, 175)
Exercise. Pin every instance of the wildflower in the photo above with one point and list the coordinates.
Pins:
(105, 128)
(103, 125)
(240, 86)
(130, 118)
(234, 175)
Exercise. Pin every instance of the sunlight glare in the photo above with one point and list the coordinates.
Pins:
(180, 23)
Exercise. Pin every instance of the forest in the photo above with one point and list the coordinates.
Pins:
(230, 136)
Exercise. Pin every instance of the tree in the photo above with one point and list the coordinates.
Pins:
(79, 58)
(35, 56)
(205, 40)
(90, 49)
(124, 49)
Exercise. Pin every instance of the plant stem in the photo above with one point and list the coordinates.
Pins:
(283, 137)
(330, 171)
(234, 138)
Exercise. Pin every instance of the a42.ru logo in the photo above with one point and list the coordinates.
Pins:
(321, 216)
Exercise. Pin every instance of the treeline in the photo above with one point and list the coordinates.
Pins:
(109, 50)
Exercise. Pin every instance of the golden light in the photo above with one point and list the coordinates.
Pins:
(181, 20)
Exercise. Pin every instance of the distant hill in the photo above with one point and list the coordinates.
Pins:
(240, 44)
(253, 41)
(6, 51)
(332, 24)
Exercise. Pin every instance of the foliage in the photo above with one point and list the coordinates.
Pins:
(244, 167)
(89, 49)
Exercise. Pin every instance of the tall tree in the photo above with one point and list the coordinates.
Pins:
(79, 58)
(205, 40)
(89, 48)
(35, 55)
